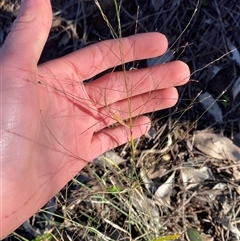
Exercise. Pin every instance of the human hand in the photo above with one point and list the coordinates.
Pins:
(53, 124)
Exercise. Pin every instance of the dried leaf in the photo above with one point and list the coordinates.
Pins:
(236, 172)
(165, 190)
(230, 227)
(215, 69)
(146, 206)
(236, 139)
(217, 146)
(235, 53)
(217, 190)
(109, 158)
(206, 237)
(147, 181)
(211, 106)
(192, 177)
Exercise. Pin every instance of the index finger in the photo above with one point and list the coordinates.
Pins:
(96, 58)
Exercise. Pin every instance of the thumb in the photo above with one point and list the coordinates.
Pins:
(29, 33)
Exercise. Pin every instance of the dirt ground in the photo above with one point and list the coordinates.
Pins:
(202, 34)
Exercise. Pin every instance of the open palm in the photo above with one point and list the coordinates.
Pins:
(53, 123)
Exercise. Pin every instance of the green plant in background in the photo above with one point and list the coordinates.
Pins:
(44, 237)
(226, 100)
(193, 235)
(205, 3)
(114, 189)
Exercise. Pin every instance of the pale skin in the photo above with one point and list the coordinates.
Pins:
(52, 123)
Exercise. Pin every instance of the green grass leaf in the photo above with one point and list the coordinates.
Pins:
(193, 235)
